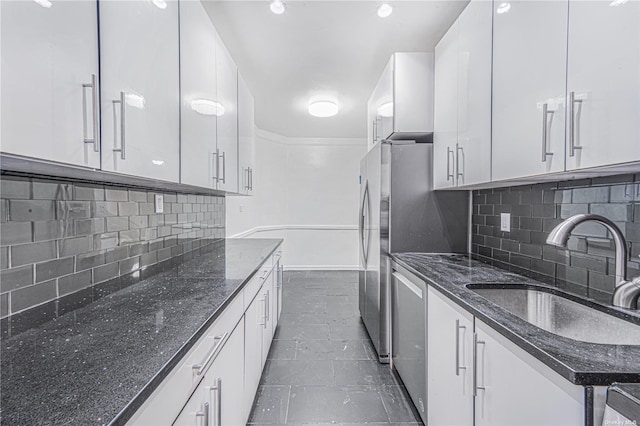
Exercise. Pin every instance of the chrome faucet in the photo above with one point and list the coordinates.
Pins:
(626, 293)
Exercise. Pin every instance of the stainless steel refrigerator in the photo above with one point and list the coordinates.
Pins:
(400, 212)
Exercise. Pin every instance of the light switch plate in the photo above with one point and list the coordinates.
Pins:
(159, 203)
(505, 222)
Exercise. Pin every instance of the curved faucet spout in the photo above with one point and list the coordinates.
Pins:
(626, 293)
(560, 235)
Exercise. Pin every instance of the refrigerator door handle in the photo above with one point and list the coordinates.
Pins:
(363, 214)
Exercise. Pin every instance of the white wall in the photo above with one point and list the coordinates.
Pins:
(307, 193)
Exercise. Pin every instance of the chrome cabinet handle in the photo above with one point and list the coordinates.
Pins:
(459, 149)
(204, 414)
(217, 406)
(476, 343)
(545, 131)
(458, 366)
(251, 179)
(217, 163)
(246, 183)
(198, 369)
(266, 309)
(95, 140)
(122, 103)
(572, 123)
(449, 174)
(261, 317)
(224, 167)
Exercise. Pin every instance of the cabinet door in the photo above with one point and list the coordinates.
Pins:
(381, 107)
(49, 57)
(198, 86)
(605, 85)
(246, 137)
(197, 409)
(227, 131)
(412, 92)
(140, 99)
(449, 360)
(473, 157)
(445, 134)
(529, 72)
(516, 389)
(254, 325)
(225, 381)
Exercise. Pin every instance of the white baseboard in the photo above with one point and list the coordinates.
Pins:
(320, 267)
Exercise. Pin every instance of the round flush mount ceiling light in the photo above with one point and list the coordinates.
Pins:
(385, 10)
(277, 7)
(323, 108)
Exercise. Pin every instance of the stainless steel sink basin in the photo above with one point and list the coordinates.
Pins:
(561, 316)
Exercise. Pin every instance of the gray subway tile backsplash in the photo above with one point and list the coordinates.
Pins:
(588, 261)
(59, 237)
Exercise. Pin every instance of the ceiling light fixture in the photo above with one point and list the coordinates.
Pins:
(385, 10)
(277, 7)
(207, 107)
(616, 3)
(44, 3)
(386, 110)
(503, 8)
(323, 108)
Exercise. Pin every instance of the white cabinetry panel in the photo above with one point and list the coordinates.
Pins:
(140, 88)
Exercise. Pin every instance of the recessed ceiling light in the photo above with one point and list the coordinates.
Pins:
(277, 7)
(503, 8)
(386, 110)
(384, 10)
(323, 108)
(207, 107)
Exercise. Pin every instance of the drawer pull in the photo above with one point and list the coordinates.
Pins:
(198, 369)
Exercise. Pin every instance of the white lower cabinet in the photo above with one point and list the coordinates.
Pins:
(216, 382)
(215, 401)
(449, 362)
(510, 387)
(513, 388)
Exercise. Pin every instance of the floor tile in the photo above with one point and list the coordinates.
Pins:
(396, 404)
(271, 405)
(335, 404)
(348, 332)
(304, 331)
(294, 372)
(282, 349)
(368, 372)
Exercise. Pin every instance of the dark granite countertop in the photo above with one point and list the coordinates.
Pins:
(82, 361)
(581, 363)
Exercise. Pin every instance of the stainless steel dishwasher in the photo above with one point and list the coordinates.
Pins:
(409, 334)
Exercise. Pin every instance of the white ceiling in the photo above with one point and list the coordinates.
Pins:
(319, 47)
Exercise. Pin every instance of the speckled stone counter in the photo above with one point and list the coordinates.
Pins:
(579, 362)
(97, 354)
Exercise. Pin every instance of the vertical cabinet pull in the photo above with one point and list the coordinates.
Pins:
(250, 178)
(261, 316)
(476, 343)
(122, 103)
(224, 168)
(217, 406)
(572, 123)
(204, 414)
(458, 366)
(266, 308)
(95, 140)
(459, 174)
(217, 163)
(545, 131)
(449, 153)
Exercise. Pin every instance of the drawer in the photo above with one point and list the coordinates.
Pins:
(169, 398)
(252, 288)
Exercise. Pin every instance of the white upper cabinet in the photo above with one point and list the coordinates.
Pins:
(529, 72)
(445, 134)
(473, 154)
(401, 106)
(462, 116)
(246, 137)
(140, 88)
(199, 95)
(227, 126)
(49, 86)
(603, 82)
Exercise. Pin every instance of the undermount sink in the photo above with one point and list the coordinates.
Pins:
(559, 315)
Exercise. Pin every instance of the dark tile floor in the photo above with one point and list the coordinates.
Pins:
(322, 368)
